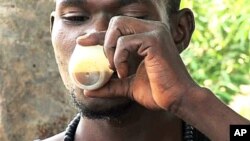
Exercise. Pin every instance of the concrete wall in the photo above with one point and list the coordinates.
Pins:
(33, 101)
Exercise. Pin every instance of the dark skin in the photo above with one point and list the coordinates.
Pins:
(143, 47)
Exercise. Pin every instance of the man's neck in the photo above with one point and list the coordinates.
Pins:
(139, 124)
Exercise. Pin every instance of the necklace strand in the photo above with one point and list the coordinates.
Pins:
(71, 129)
(188, 132)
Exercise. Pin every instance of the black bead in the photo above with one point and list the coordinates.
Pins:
(67, 138)
(188, 134)
(71, 129)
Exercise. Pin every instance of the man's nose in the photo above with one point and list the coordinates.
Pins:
(101, 22)
(96, 33)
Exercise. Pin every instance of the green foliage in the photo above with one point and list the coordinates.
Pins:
(219, 54)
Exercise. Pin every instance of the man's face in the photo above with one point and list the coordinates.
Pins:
(74, 18)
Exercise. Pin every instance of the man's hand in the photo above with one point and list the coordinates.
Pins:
(160, 78)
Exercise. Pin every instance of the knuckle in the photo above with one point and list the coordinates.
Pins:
(121, 41)
(152, 40)
(116, 20)
(109, 47)
(159, 33)
(161, 27)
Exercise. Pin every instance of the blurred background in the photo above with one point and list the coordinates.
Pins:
(219, 54)
(35, 104)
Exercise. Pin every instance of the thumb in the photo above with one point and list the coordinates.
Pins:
(90, 39)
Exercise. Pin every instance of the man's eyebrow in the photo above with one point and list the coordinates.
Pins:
(127, 2)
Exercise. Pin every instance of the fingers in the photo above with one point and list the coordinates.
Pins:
(125, 36)
(110, 43)
(114, 88)
(121, 26)
(126, 46)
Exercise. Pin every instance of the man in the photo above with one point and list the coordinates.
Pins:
(151, 95)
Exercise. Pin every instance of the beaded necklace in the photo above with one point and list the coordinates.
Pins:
(188, 130)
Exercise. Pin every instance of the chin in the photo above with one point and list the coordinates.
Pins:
(101, 108)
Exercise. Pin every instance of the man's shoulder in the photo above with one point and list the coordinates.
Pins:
(58, 137)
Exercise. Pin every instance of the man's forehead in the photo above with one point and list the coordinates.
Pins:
(118, 1)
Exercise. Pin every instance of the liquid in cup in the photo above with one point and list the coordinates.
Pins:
(89, 68)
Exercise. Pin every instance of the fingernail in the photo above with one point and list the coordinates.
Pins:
(119, 76)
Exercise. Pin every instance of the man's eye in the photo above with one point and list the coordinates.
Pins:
(141, 17)
(138, 16)
(75, 19)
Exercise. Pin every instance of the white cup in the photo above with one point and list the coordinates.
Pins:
(89, 68)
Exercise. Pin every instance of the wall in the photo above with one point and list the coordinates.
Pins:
(33, 101)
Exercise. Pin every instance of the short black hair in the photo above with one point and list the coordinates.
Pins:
(173, 5)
